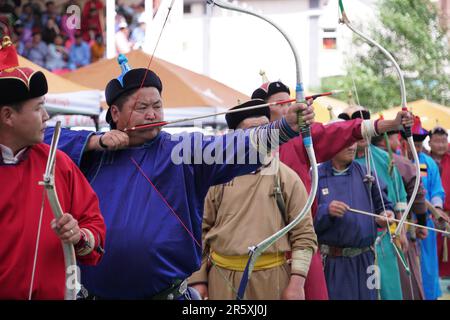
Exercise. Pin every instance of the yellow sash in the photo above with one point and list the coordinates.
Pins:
(238, 263)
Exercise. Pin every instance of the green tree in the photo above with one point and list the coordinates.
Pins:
(413, 33)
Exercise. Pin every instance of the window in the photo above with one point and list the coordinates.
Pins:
(187, 8)
(314, 4)
(329, 43)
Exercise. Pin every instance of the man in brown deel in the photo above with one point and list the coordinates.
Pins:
(244, 212)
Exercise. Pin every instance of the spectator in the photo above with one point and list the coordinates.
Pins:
(5, 29)
(16, 35)
(119, 19)
(138, 34)
(50, 12)
(5, 7)
(97, 49)
(125, 11)
(36, 50)
(92, 17)
(36, 7)
(123, 45)
(90, 24)
(27, 18)
(90, 36)
(139, 11)
(79, 54)
(50, 31)
(34, 10)
(57, 55)
(27, 11)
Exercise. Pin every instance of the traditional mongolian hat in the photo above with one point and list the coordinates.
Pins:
(129, 80)
(18, 84)
(269, 89)
(233, 119)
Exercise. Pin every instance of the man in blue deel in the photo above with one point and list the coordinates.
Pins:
(151, 186)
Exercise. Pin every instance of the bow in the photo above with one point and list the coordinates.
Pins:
(68, 249)
(344, 19)
(258, 249)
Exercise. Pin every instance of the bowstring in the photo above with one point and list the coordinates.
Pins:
(197, 243)
(38, 236)
(235, 291)
(369, 159)
(151, 60)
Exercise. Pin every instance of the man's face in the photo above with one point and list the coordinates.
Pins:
(277, 112)
(394, 142)
(439, 144)
(28, 124)
(346, 155)
(253, 122)
(142, 107)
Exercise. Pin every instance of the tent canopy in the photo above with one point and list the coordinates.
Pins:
(321, 105)
(65, 96)
(431, 114)
(181, 87)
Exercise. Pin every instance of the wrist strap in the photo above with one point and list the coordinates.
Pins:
(100, 142)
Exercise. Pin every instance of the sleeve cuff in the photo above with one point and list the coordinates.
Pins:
(301, 259)
(287, 129)
(86, 244)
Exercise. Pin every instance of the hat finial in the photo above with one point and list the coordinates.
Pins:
(263, 75)
(330, 110)
(6, 42)
(123, 62)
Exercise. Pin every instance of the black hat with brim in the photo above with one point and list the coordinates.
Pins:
(20, 84)
(133, 79)
(269, 89)
(233, 119)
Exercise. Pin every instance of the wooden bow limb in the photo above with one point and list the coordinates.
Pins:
(165, 123)
(396, 220)
(71, 271)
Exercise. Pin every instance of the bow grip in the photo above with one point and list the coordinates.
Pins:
(408, 132)
(305, 129)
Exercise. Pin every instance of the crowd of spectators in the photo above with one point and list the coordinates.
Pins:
(52, 37)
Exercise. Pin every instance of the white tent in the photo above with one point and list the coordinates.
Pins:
(65, 96)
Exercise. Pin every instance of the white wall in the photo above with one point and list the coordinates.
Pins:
(232, 47)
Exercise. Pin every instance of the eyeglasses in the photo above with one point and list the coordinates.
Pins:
(364, 114)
